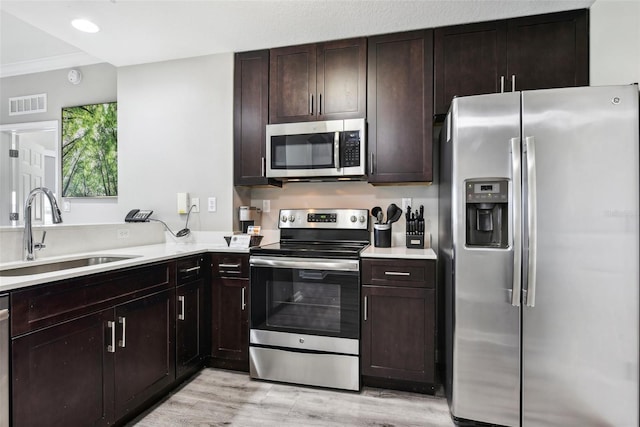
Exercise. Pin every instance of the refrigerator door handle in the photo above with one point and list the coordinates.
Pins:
(516, 215)
(532, 225)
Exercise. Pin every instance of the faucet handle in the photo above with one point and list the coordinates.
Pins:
(41, 245)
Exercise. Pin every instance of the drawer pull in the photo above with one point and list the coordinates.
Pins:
(229, 266)
(243, 302)
(396, 273)
(190, 270)
(366, 308)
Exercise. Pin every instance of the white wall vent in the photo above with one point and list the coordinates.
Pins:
(29, 104)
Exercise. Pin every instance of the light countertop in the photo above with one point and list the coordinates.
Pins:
(398, 252)
(140, 255)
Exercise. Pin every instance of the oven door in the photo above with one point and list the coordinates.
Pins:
(305, 296)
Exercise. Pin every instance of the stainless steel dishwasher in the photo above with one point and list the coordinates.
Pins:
(4, 360)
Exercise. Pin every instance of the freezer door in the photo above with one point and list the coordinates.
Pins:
(485, 325)
(580, 337)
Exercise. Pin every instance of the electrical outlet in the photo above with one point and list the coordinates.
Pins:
(195, 202)
(212, 205)
(406, 202)
(266, 206)
(123, 233)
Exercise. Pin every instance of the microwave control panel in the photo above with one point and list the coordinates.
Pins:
(350, 149)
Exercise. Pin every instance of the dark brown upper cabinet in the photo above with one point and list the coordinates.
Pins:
(250, 115)
(322, 81)
(535, 52)
(469, 60)
(400, 107)
(548, 51)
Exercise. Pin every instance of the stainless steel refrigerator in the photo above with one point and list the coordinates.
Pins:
(539, 255)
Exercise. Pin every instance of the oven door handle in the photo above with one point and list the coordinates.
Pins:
(306, 263)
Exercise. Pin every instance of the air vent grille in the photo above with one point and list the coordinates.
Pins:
(29, 104)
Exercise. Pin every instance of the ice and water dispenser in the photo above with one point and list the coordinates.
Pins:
(487, 204)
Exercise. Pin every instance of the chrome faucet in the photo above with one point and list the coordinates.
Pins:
(29, 246)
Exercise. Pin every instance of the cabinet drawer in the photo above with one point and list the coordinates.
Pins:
(399, 272)
(230, 265)
(190, 269)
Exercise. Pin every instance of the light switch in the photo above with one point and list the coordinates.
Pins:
(212, 205)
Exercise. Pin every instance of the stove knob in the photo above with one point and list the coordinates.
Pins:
(362, 219)
(292, 218)
(284, 218)
(353, 218)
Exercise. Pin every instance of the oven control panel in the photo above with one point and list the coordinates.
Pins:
(357, 219)
(322, 217)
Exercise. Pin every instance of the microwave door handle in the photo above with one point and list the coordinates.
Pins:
(336, 150)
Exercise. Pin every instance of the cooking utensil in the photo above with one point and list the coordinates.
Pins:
(376, 212)
(393, 213)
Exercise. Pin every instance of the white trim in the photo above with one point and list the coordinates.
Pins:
(47, 64)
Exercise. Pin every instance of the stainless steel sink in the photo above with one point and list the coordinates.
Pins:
(61, 265)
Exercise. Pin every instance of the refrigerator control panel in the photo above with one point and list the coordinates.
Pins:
(487, 191)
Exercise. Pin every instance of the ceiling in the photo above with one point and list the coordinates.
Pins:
(37, 35)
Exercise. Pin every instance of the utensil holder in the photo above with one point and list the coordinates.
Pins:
(382, 235)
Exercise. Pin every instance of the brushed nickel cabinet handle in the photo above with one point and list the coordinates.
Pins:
(244, 304)
(501, 84)
(190, 270)
(371, 165)
(366, 307)
(229, 265)
(396, 273)
(513, 83)
(123, 342)
(181, 301)
(111, 348)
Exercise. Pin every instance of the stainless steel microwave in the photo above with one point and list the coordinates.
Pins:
(320, 149)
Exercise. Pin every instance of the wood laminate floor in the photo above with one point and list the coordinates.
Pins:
(216, 397)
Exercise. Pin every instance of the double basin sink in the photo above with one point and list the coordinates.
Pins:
(61, 265)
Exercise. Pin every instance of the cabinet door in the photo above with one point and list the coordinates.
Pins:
(548, 51)
(292, 84)
(61, 375)
(230, 340)
(400, 107)
(144, 360)
(189, 327)
(398, 333)
(250, 115)
(341, 85)
(468, 60)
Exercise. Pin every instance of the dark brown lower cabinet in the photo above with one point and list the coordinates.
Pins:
(230, 307)
(94, 350)
(144, 358)
(95, 369)
(63, 375)
(398, 324)
(190, 318)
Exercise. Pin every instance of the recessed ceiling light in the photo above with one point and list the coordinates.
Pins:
(85, 25)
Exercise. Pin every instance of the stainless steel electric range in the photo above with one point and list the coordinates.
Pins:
(305, 299)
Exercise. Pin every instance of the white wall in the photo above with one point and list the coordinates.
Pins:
(175, 134)
(614, 42)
